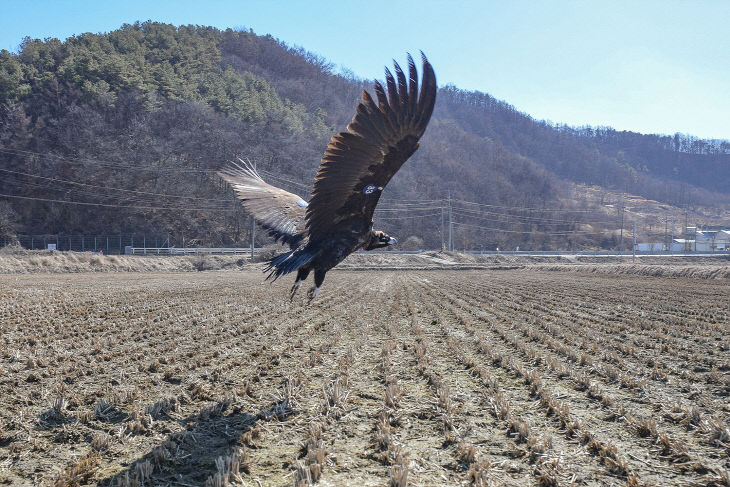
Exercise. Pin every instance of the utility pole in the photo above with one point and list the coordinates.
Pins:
(671, 240)
(253, 224)
(666, 222)
(621, 241)
(442, 228)
(634, 253)
(451, 225)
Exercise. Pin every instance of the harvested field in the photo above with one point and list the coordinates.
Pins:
(483, 377)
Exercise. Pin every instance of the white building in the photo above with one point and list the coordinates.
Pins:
(723, 240)
(713, 240)
(650, 247)
(682, 245)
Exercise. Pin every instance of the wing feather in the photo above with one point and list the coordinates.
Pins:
(281, 213)
(392, 90)
(412, 85)
(402, 90)
(359, 162)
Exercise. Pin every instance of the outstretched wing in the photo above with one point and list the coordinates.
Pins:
(359, 163)
(278, 211)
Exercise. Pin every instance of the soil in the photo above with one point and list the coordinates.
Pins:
(509, 376)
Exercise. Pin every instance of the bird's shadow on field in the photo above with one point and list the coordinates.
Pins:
(188, 457)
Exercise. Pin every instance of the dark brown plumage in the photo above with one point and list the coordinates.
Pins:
(356, 166)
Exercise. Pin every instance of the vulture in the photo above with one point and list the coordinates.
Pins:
(357, 165)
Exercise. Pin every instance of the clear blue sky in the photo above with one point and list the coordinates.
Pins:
(642, 65)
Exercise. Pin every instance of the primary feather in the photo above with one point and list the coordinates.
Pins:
(380, 138)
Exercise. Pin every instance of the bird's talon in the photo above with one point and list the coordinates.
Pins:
(312, 293)
(294, 290)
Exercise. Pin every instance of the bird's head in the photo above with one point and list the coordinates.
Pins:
(379, 240)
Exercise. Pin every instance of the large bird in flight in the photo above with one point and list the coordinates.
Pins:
(356, 166)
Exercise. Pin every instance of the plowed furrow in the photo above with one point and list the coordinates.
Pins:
(646, 398)
(689, 453)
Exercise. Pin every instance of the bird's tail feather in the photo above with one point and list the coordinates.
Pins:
(289, 262)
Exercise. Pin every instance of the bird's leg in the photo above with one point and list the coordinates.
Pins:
(294, 289)
(318, 280)
(313, 293)
(302, 274)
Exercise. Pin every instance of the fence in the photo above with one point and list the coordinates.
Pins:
(164, 245)
(187, 251)
(580, 253)
(107, 244)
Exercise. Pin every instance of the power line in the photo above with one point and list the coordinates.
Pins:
(279, 178)
(408, 209)
(477, 214)
(107, 164)
(147, 193)
(391, 205)
(83, 203)
(406, 216)
(66, 181)
(398, 206)
(517, 231)
(77, 192)
(26, 184)
(406, 201)
(115, 165)
(522, 208)
(66, 191)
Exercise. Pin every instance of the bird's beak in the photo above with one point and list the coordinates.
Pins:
(392, 241)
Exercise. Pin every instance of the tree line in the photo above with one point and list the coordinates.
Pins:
(131, 126)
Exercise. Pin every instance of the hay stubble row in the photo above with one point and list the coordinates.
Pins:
(399, 378)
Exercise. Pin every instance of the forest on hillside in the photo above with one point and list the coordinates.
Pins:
(123, 132)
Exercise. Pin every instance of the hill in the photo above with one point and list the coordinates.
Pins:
(122, 133)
